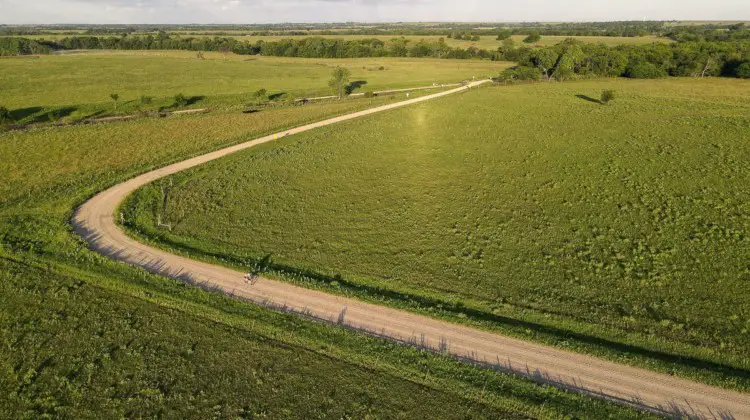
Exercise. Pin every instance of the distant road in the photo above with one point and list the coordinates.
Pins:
(382, 92)
(95, 222)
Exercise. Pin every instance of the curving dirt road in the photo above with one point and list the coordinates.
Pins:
(95, 221)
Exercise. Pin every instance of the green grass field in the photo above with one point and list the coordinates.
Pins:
(627, 222)
(86, 337)
(90, 77)
(126, 344)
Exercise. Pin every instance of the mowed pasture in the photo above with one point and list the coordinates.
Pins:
(630, 218)
(77, 323)
(90, 77)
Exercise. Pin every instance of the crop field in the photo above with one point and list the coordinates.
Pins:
(84, 336)
(627, 221)
(89, 78)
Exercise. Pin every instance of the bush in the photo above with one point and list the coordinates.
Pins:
(146, 100)
(644, 70)
(381, 68)
(743, 71)
(5, 116)
(369, 94)
(607, 96)
(180, 100)
(261, 95)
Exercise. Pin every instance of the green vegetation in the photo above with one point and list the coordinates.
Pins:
(618, 230)
(86, 337)
(532, 38)
(115, 97)
(340, 81)
(84, 81)
(743, 71)
(127, 344)
(607, 96)
(4, 115)
(573, 59)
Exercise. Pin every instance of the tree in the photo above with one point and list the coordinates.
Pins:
(533, 38)
(545, 60)
(519, 73)
(743, 71)
(115, 97)
(339, 80)
(569, 63)
(645, 70)
(504, 34)
(607, 96)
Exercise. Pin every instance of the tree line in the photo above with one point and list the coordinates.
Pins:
(315, 47)
(569, 59)
(574, 59)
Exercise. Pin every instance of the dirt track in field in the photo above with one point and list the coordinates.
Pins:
(95, 221)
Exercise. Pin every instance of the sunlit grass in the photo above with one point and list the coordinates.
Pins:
(631, 216)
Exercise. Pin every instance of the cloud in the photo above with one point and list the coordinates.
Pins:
(268, 11)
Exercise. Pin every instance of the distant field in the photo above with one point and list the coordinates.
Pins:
(486, 42)
(73, 79)
(633, 216)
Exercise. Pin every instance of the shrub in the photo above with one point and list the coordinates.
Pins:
(261, 95)
(644, 70)
(5, 116)
(180, 100)
(743, 71)
(369, 94)
(607, 96)
(145, 100)
(381, 68)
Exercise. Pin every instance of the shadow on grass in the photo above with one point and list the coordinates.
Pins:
(23, 113)
(589, 99)
(276, 96)
(36, 114)
(190, 100)
(266, 265)
(351, 87)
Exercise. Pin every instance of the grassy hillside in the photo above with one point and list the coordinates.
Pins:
(619, 229)
(86, 337)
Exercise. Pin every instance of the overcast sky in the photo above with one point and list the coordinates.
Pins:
(269, 11)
